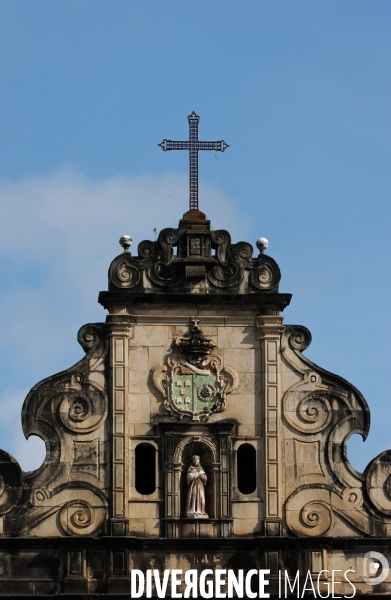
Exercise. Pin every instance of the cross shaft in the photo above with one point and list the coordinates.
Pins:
(193, 145)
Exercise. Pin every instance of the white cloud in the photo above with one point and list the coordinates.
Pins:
(58, 235)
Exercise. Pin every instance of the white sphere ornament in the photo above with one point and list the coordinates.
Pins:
(262, 243)
(125, 241)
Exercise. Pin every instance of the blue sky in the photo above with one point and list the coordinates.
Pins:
(300, 90)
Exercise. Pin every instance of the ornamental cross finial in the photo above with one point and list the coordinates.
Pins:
(193, 145)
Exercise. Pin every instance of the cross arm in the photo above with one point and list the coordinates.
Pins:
(170, 145)
(218, 146)
(190, 145)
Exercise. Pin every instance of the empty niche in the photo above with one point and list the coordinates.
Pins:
(145, 469)
(247, 469)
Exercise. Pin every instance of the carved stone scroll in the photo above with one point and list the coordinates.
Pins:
(66, 495)
(323, 410)
(231, 268)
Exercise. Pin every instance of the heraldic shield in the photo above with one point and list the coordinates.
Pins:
(193, 382)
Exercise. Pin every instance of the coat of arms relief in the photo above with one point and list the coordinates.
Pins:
(194, 383)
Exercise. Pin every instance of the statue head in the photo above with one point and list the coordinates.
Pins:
(195, 460)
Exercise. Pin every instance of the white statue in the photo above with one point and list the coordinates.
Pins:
(196, 480)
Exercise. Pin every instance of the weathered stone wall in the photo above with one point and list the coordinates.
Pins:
(238, 345)
(72, 567)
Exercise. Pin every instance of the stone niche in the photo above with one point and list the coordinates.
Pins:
(211, 444)
(194, 360)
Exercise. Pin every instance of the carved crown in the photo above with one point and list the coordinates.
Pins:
(195, 345)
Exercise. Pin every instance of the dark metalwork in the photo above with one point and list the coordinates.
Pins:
(193, 145)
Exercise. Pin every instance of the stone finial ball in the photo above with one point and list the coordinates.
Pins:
(125, 241)
(262, 243)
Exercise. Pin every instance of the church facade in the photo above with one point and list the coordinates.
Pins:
(194, 435)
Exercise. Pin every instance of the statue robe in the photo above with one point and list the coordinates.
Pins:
(195, 502)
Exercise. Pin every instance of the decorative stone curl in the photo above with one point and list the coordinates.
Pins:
(309, 414)
(10, 482)
(266, 275)
(83, 411)
(296, 337)
(122, 273)
(91, 335)
(79, 517)
(378, 482)
(309, 512)
(241, 251)
(127, 275)
(317, 516)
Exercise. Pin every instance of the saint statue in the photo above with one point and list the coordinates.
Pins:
(196, 480)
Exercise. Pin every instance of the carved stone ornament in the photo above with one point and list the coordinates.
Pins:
(329, 497)
(193, 383)
(183, 259)
(67, 495)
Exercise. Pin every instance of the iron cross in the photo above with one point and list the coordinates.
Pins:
(193, 145)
